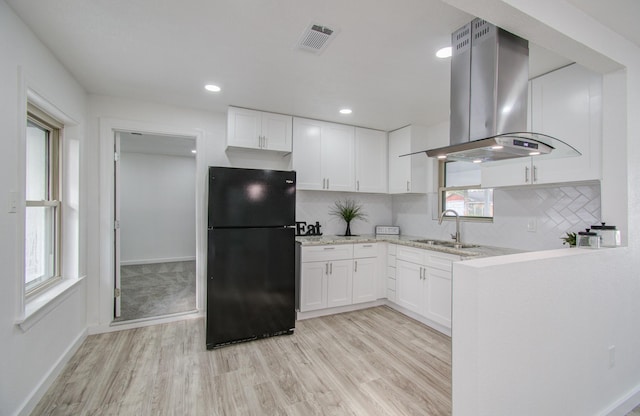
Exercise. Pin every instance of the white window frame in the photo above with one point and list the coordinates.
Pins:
(53, 199)
(442, 189)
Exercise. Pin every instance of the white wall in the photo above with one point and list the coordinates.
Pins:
(312, 206)
(157, 208)
(531, 336)
(29, 356)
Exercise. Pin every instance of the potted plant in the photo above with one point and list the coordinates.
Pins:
(348, 210)
(570, 239)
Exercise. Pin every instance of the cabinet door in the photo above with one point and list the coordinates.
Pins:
(399, 167)
(243, 127)
(307, 155)
(438, 296)
(371, 161)
(339, 283)
(313, 290)
(277, 132)
(365, 276)
(338, 157)
(567, 104)
(409, 286)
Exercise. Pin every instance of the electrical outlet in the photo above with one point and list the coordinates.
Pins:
(532, 225)
(612, 356)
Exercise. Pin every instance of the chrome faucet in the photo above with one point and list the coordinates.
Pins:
(455, 236)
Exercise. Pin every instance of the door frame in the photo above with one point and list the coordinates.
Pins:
(105, 290)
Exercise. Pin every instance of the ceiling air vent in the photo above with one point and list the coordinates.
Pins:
(316, 38)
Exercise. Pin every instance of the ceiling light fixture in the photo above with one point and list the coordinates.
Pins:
(212, 88)
(194, 151)
(442, 156)
(444, 52)
(346, 111)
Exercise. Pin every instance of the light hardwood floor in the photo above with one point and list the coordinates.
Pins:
(370, 362)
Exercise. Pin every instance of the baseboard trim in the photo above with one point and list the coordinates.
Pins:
(156, 261)
(625, 404)
(47, 381)
(428, 322)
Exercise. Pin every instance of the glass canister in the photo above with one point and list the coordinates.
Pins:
(588, 239)
(609, 235)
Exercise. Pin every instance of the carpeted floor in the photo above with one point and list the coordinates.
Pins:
(149, 290)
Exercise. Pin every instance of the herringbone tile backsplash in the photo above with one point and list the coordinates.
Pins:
(548, 212)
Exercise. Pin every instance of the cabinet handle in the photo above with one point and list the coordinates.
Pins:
(264, 142)
(367, 245)
(330, 268)
(329, 248)
(324, 181)
(327, 183)
(356, 266)
(526, 174)
(408, 187)
(326, 268)
(357, 185)
(535, 173)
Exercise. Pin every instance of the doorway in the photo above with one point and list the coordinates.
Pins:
(155, 226)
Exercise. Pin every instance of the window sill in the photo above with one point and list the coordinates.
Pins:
(40, 305)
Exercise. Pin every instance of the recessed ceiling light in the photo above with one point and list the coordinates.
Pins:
(534, 153)
(497, 147)
(444, 52)
(442, 156)
(212, 88)
(194, 151)
(477, 161)
(346, 111)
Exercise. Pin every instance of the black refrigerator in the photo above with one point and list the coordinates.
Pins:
(250, 255)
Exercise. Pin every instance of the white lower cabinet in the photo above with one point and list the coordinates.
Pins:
(339, 283)
(409, 286)
(338, 275)
(423, 283)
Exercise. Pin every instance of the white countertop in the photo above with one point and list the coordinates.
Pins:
(407, 240)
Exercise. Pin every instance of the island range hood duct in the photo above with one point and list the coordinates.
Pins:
(489, 98)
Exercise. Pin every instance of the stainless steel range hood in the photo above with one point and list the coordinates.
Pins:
(489, 99)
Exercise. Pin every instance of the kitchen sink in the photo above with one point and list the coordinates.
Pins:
(449, 244)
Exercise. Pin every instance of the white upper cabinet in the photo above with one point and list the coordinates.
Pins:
(371, 160)
(324, 155)
(565, 104)
(253, 129)
(408, 174)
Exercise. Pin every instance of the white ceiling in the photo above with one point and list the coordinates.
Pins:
(381, 63)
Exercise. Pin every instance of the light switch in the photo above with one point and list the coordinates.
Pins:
(13, 202)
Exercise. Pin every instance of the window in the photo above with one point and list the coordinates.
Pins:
(42, 213)
(460, 191)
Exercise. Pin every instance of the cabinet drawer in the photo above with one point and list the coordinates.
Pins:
(327, 252)
(365, 250)
(410, 254)
(392, 249)
(391, 272)
(440, 261)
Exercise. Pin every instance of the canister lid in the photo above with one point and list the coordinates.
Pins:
(588, 233)
(603, 227)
